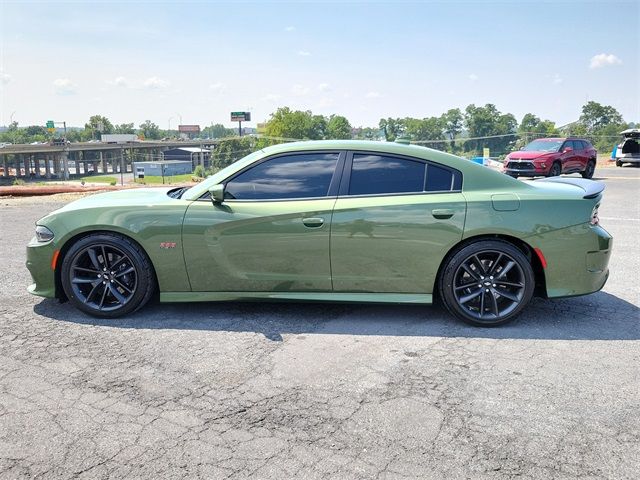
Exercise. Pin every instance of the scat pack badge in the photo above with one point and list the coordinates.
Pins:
(168, 245)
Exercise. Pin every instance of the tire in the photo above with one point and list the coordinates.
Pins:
(589, 169)
(486, 283)
(618, 163)
(555, 170)
(107, 275)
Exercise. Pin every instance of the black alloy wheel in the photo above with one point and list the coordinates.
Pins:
(555, 170)
(107, 275)
(589, 169)
(487, 283)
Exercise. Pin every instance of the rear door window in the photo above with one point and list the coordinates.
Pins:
(373, 174)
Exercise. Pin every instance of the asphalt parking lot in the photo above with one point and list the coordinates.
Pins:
(241, 390)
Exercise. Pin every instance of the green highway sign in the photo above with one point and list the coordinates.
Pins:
(240, 116)
(50, 124)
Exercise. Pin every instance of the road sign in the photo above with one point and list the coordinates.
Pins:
(51, 129)
(189, 128)
(50, 124)
(240, 116)
(485, 152)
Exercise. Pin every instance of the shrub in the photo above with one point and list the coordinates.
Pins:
(112, 183)
(199, 171)
(19, 181)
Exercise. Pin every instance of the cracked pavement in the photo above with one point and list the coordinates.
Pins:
(299, 390)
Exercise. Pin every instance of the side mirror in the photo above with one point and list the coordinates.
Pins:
(217, 193)
(521, 148)
(567, 150)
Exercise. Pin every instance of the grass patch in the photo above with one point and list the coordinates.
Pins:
(100, 179)
(148, 179)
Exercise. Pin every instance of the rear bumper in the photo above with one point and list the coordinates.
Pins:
(628, 159)
(577, 259)
(38, 263)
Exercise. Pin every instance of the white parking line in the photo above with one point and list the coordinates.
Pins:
(619, 219)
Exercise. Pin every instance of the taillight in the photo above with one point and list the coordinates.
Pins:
(595, 220)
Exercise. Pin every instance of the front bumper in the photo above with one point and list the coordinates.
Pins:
(577, 259)
(525, 169)
(39, 257)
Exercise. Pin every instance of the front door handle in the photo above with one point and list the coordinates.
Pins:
(442, 213)
(313, 222)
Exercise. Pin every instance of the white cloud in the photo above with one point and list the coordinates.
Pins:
(217, 87)
(4, 78)
(324, 87)
(155, 83)
(64, 86)
(272, 97)
(473, 77)
(119, 82)
(557, 79)
(289, 28)
(304, 53)
(603, 60)
(299, 90)
(373, 94)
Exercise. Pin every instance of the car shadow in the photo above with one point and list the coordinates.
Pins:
(600, 316)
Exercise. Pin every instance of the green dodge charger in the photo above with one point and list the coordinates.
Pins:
(330, 221)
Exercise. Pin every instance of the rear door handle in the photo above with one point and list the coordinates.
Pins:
(313, 222)
(442, 213)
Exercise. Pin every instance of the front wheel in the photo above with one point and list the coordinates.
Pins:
(555, 170)
(107, 275)
(589, 170)
(487, 283)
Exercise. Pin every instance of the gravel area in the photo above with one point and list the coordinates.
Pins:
(238, 390)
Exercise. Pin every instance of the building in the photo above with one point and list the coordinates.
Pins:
(166, 168)
(195, 155)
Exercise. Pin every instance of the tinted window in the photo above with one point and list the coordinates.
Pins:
(577, 145)
(439, 179)
(371, 174)
(292, 176)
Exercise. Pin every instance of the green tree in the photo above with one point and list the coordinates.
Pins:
(338, 127)
(218, 131)
(98, 125)
(296, 124)
(596, 116)
(150, 130)
(489, 122)
(452, 123)
(392, 128)
(125, 128)
(429, 129)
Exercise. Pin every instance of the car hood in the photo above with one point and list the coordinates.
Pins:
(527, 155)
(142, 197)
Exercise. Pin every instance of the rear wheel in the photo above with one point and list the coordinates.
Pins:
(618, 163)
(589, 170)
(555, 170)
(487, 283)
(107, 275)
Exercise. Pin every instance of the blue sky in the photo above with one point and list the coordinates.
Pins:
(163, 61)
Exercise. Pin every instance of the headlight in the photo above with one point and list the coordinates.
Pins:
(43, 234)
(595, 220)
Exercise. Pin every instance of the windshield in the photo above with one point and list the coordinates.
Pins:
(543, 146)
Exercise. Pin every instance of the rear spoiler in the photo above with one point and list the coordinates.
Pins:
(591, 188)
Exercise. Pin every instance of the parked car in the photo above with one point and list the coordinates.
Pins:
(549, 157)
(333, 220)
(628, 151)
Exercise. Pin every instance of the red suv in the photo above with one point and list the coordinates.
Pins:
(550, 157)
